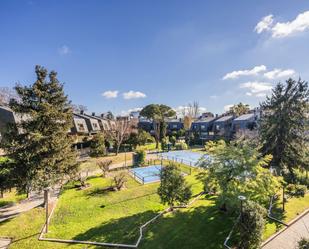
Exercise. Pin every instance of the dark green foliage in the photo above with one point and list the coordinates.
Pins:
(164, 143)
(139, 158)
(39, 145)
(181, 146)
(284, 124)
(303, 244)
(6, 179)
(251, 225)
(296, 190)
(172, 139)
(158, 113)
(97, 146)
(140, 138)
(173, 188)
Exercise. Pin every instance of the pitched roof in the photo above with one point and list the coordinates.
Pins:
(205, 120)
(224, 118)
(244, 117)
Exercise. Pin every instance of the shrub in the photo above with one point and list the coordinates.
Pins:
(181, 146)
(139, 158)
(97, 146)
(104, 166)
(296, 190)
(303, 244)
(250, 228)
(119, 181)
(172, 140)
(173, 188)
(164, 143)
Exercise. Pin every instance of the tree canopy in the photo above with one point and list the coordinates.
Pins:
(237, 169)
(283, 126)
(239, 109)
(39, 144)
(158, 113)
(173, 188)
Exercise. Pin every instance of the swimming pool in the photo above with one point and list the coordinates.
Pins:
(146, 174)
(183, 156)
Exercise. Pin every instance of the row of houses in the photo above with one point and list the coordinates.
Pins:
(206, 127)
(83, 124)
(210, 126)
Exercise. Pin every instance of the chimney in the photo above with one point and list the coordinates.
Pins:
(102, 115)
(81, 111)
(93, 114)
(217, 115)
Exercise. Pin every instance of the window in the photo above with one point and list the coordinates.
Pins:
(203, 126)
(174, 126)
(95, 125)
(80, 127)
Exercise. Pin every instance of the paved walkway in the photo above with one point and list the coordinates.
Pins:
(4, 243)
(35, 200)
(291, 235)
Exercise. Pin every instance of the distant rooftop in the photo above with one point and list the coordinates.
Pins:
(224, 118)
(244, 117)
(205, 120)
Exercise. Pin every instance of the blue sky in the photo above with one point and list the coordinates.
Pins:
(172, 52)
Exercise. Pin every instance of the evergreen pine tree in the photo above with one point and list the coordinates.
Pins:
(39, 144)
(282, 126)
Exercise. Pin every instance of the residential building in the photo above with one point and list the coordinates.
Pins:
(222, 127)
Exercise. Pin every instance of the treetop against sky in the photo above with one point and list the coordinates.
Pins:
(120, 56)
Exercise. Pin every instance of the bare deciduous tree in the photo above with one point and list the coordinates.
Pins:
(104, 166)
(119, 131)
(119, 180)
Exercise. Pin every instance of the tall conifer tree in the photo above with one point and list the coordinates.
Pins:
(283, 132)
(39, 144)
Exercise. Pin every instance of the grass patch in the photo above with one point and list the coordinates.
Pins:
(151, 146)
(293, 207)
(11, 198)
(91, 164)
(97, 215)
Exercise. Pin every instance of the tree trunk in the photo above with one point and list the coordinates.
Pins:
(118, 148)
(1, 193)
(157, 144)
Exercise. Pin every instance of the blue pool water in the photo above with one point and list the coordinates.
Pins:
(146, 174)
(183, 156)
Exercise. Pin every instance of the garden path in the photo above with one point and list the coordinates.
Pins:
(289, 237)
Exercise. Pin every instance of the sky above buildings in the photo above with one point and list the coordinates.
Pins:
(121, 55)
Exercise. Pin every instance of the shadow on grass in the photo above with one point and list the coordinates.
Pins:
(200, 227)
(277, 213)
(123, 230)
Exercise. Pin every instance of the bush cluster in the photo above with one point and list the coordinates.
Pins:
(296, 190)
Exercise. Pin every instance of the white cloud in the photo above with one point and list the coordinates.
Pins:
(279, 73)
(236, 74)
(213, 96)
(284, 29)
(181, 109)
(110, 94)
(264, 24)
(257, 89)
(134, 95)
(127, 112)
(64, 50)
(227, 107)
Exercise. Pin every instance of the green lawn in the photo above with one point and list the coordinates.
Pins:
(151, 146)
(97, 215)
(293, 207)
(91, 165)
(11, 198)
